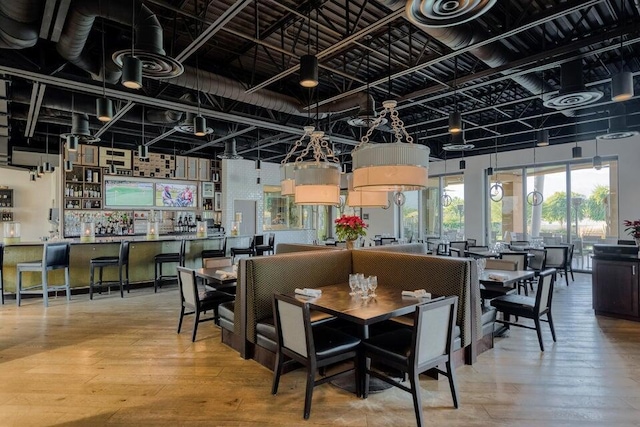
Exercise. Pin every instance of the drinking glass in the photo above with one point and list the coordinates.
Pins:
(364, 287)
(482, 264)
(353, 283)
(373, 285)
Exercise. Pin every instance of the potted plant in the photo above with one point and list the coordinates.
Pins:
(349, 228)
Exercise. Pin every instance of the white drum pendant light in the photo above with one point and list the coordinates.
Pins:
(317, 181)
(395, 166)
(365, 199)
(287, 170)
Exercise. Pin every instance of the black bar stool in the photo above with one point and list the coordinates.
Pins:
(121, 261)
(215, 253)
(177, 257)
(261, 249)
(251, 250)
(1, 273)
(54, 256)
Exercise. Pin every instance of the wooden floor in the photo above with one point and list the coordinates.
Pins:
(115, 361)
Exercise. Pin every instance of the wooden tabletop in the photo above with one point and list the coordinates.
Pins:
(388, 303)
(210, 275)
(511, 276)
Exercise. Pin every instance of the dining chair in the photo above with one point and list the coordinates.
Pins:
(55, 256)
(164, 258)
(488, 291)
(455, 252)
(387, 240)
(471, 242)
(215, 253)
(268, 247)
(459, 245)
(428, 345)
(121, 261)
(314, 347)
(530, 307)
(520, 258)
(557, 257)
(229, 288)
(627, 242)
(192, 299)
(249, 250)
(537, 263)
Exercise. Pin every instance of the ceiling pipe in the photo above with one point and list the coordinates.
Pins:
(19, 23)
(464, 35)
(80, 20)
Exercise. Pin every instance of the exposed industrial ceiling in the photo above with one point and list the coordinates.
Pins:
(493, 61)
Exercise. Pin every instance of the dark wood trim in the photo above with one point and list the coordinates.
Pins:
(471, 354)
(241, 292)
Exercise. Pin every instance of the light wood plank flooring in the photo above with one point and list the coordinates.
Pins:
(115, 361)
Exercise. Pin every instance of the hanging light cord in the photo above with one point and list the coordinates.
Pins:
(389, 62)
(104, 56)
(133, 26)
(143, 125)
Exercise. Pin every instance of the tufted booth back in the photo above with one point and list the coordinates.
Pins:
(260, 277)
(437, 275)
(286, 248)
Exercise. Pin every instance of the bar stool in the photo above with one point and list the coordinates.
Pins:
(215, 253)
(55, 256)
(121, 261)
(261, 249)
(1, 274)
(177, 257)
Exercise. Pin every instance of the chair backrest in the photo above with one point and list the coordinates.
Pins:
(56, 255)
(217, 262)
(123, 257)
(556, 256)
(183, 252)
(478, 248)
(539, 259)
(544, 293)
(460, 245)
(455, 252)
(502, 264)
(471, 242)
(519, 257)
(1, 255)
(433, 330)
(387, 240)
(272, 240)
(627, 242)
(188, 286)
(293, 327)
(258, 239)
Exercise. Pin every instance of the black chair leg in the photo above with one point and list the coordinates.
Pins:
(180, 320)
(308, 395)
(571, 270)
(366, 377)
(553, 330)
(120, 277)
(277, 372)
(91, 282)
(452, 383)
(566, 275)
(155, 280)
(100, 278)
(417, 401)
(127, 274)
(539, 332)
(196, 320)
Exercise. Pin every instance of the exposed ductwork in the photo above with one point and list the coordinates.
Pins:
(464, 34)
(19, 23)
(230, 151)
(148, 33)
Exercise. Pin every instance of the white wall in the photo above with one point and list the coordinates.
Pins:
(32, 201)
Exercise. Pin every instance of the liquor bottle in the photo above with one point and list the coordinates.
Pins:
(180, 226)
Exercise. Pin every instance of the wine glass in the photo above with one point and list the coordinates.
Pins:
(373, 285)
(353, 283)
(364, 287)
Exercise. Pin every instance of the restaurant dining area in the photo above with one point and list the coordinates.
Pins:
(285, 213)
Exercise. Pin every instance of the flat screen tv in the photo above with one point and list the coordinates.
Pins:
(170, 195)
(128, 193)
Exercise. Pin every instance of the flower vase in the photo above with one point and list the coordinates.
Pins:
(350, 243)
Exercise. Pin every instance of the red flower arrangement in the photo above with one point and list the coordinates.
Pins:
(350, 227)
(633, 228)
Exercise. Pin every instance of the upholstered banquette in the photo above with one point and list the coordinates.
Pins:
(248, 324)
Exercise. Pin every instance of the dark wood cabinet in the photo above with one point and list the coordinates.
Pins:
(615, 288)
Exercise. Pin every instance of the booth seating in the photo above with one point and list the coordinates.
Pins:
(248, 323)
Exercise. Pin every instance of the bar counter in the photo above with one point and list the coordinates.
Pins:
(141, 257)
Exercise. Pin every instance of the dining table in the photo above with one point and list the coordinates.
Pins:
(214, 278)
(508, 278)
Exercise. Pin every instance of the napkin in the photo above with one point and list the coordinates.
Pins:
(498, 277)
(226, 274)
(418, 293)
(308, 292)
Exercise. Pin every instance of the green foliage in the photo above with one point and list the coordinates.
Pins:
(595, 207)
(451, 216)
(554, 208)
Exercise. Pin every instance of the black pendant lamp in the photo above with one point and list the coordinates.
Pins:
(455, 122)
(622, 83)
(32, 175)
(143, 150)
(542, 138)
(68, 166)
(199, 126)
(112, 168)
(104, 106)
(132, 66)
(597, 160)
(40, 171)
(308, 71)
(576, 152)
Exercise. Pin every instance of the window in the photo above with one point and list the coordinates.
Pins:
(453, 207)
(431, 202)
(281, 213)
(410, 216)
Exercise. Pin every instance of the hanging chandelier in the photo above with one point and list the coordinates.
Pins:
(395, 166)
(287, 170)
(317, 181)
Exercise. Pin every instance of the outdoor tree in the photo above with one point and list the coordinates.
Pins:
(451, 215)
(554, 208)
(596, 204)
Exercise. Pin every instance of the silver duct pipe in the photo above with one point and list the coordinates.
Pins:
(79, 22)
(19, 23)
(463, 35)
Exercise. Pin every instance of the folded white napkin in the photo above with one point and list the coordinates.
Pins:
(418, 293)
(498, 277)
(309, 292)
(226, 274)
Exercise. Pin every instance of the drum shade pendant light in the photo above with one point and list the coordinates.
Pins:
(112, 166)
(40, 171)
(534, 198)
(46, 166)
(396, 166)
(317, 181)
(287, 170)
(32, 175)
(199, 122)
(104, 106)
(542, 138)
(365, 199)
(455, 118)
(622, 83)
(72, 143)
(576, 152)
(132, 66)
